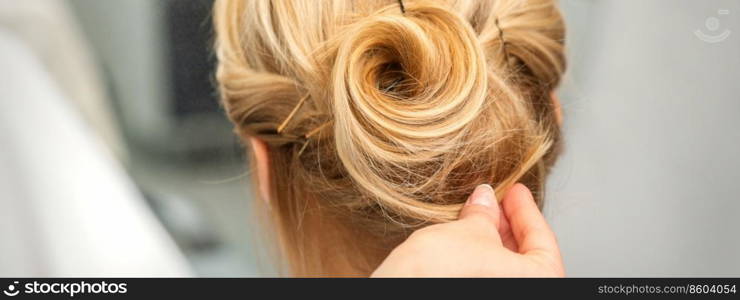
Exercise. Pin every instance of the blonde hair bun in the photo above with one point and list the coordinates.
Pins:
(406, 88)
(380, 120)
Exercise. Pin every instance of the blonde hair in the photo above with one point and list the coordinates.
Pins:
(381, 120)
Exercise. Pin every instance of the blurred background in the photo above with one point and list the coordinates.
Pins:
(116, 159)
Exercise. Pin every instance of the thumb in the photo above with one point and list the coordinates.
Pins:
(482, 206)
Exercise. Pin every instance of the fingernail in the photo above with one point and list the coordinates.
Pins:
(483, 195)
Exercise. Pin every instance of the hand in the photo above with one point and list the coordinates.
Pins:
(486, 241)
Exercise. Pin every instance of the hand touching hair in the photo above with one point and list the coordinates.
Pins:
(379, 121)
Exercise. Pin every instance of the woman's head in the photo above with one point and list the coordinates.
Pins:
(378, 121)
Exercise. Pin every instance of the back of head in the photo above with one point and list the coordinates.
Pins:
(381, 120)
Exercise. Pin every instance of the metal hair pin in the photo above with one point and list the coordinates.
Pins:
(503, 41)
(308, 135)
(403, 9)
(311, 133)
(292, 114)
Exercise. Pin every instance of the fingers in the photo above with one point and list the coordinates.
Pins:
(482, 207)
(507, 237)
(529, 227)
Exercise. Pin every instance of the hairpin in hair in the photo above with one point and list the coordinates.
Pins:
(290, 117)
(403, 9)
(311, 133)
(317, 130)
(503, 41)
(292, 114)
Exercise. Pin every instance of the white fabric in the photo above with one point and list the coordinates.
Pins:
(67, 208)
(50, 29)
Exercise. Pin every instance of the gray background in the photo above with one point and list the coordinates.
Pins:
(648, 185)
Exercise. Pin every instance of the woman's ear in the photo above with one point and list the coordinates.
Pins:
(262, 162)
(558, 110)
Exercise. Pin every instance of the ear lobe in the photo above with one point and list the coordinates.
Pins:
(262, 162)
(557, 109)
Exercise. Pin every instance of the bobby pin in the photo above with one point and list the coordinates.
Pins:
(292, 114)
(503, 41)
(311, 133)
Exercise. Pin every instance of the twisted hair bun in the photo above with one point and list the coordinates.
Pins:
(381, 120)
(406, 90)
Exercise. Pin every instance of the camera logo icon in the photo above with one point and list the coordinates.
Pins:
(12, 291)
(713, 25)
